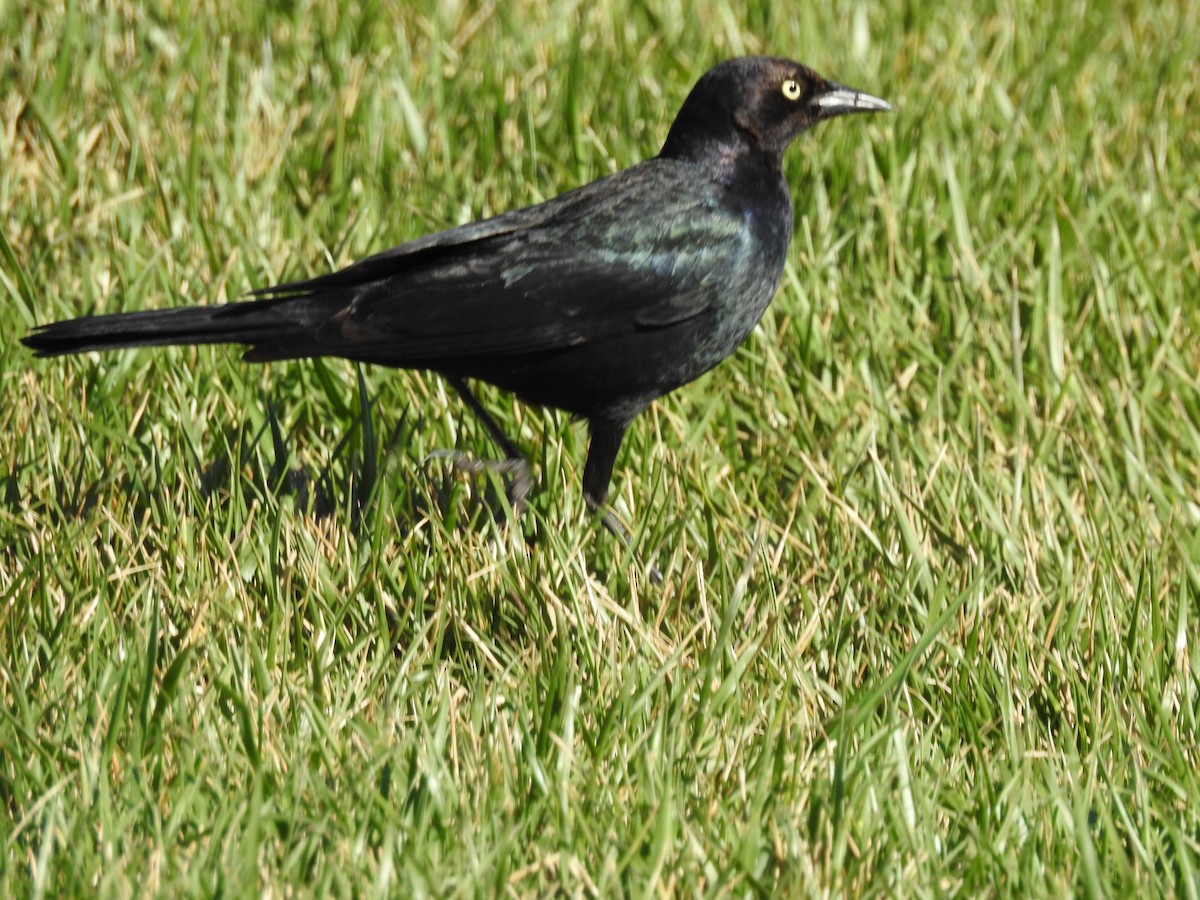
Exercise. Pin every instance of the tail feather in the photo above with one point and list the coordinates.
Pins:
(257, 322)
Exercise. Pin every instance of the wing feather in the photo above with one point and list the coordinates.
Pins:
(591, 264)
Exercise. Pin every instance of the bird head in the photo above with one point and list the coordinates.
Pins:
(760, 101)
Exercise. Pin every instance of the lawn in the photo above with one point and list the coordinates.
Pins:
(930, 541)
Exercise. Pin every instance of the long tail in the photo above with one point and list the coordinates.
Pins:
(276, 322)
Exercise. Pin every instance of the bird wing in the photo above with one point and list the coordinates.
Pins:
(647, 248)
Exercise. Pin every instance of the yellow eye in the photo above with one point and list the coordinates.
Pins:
(791, 89)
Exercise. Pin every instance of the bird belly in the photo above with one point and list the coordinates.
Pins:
(620, 376)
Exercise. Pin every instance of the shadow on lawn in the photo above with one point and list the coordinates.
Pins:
(361, 479)
(246, 467)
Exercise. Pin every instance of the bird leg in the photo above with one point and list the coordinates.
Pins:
(514, 463)
(606, 437)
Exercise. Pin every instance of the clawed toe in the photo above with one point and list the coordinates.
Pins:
(518, 468)
(610, 521)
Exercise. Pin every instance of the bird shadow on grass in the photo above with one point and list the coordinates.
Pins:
(351, 484)
(245, 466)
(250, 466)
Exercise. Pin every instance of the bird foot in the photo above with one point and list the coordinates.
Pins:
(610, 521)
(517, 467)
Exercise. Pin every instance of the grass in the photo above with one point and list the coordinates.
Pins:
(930, 540)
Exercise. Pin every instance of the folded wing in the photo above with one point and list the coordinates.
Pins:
(583, 267)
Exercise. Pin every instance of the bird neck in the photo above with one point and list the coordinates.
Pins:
(726, 157)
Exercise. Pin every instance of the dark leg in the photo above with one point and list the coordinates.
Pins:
(501, 439)
(606, 437)
(514, 462)
(597, 473)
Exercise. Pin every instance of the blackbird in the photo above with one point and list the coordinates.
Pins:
(596, 302)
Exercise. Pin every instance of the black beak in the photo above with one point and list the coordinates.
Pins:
(838, 100)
